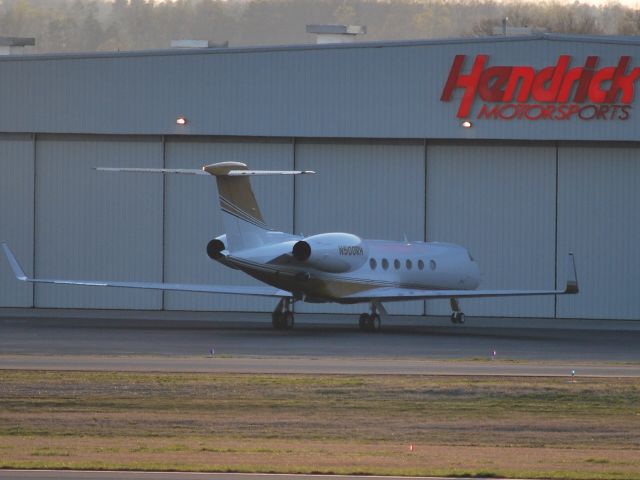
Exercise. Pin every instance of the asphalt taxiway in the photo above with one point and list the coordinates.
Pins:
(248, 346)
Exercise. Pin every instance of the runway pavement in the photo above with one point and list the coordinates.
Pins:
(247, 346)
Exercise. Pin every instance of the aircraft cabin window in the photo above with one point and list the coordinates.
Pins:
(373, 264)
(409, 265)
(396, 264)
(420, 264)
(385, 263)
(432, 264)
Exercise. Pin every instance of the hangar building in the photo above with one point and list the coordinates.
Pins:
(519, 148)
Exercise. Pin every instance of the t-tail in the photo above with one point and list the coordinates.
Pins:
(245, 227)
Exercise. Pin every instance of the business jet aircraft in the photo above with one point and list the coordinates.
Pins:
(328, 267)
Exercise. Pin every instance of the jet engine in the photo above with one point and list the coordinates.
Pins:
(215, 247)
(331, 252)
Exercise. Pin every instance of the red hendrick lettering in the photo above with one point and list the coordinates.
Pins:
(585, 79)
(526, 74)
(468, 82)
(596, 93)
(547, 83)
(622, 83)
(492, 83)
(600, 89)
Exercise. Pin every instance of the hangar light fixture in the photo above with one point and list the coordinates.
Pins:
(181, 121)
(467, 124)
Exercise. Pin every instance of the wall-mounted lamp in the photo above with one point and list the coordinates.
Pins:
(181, 121)
(467, 124)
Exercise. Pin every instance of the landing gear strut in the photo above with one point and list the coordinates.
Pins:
(457, 316)
(282, 316)
(370, 322)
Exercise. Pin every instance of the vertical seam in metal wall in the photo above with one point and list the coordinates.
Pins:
(293, 203)
(424, 146)
(293, 222)
(555, 266)
(164, 219)
(33, 252)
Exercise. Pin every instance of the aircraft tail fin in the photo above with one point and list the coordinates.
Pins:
(244, 223)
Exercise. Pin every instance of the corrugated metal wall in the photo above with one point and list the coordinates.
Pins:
(97, 225)
(16, 214)
(499, 202)
(358, 90)
(599, 218)
(372, 190)
(192, 218)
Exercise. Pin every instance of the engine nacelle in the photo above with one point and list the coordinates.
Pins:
(216, 246)
(331, 252)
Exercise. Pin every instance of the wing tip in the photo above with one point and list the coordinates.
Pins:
(13, 262)
(572, 277)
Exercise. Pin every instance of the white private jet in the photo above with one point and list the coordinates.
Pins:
(328, 267)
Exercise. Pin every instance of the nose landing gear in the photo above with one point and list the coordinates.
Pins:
(282, 316)
(456, 316)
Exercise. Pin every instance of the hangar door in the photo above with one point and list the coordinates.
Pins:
(599, 218)
(16, 215)
(192, 217)
(371, 190)
(97, 225)
(499, 202)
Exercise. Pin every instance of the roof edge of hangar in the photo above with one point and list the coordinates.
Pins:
(552, 37)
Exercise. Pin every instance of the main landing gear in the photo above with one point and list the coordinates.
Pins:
(370, 322)
(282, 316)
(457, 316)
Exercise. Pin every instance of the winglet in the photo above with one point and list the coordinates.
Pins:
(15, 266)
(572, 277)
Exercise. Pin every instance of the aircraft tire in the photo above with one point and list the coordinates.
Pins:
(362, 321)
(288, 321)
(375, 323)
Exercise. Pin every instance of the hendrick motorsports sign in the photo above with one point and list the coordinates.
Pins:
(556, 92)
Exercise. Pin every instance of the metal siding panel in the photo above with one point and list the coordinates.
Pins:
(16, 216)
(193, 218)
(375, 91)
(374, 191)
(599, 220)
(499, 202)
(92, 225)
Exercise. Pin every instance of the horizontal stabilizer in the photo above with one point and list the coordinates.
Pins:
(244, 173)
(201, 171)
(261, 291)
(183, 171)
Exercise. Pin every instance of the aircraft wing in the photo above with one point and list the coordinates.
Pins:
(262, 291)
(390, 294)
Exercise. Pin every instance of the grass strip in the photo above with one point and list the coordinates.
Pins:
(464, 426)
